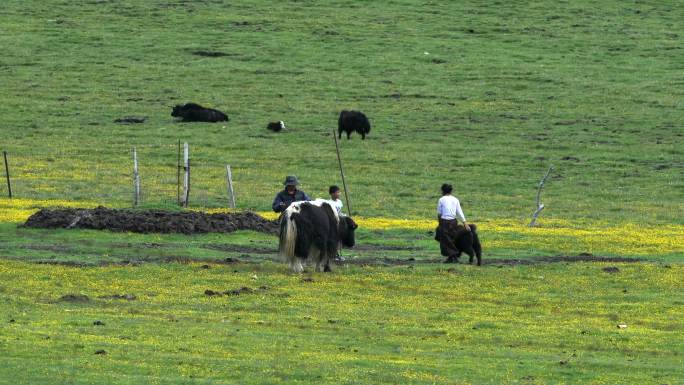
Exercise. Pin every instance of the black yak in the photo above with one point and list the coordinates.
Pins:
(351, 121)
(192, 112)
(466, 242)
(312, 230)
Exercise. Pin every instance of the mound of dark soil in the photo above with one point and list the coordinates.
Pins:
(150, 221)
(74, 298)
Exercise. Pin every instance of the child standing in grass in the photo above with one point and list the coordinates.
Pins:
(334, 192)
(336, 202)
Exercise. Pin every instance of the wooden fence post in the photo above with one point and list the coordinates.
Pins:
(178, 168)
(136, 179)
(7, 174)
(229, 185)
(186, 178)
(187, 191)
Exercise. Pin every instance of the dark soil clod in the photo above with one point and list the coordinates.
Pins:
(211, 293)
(127, 297)
(131, 119)
(150, 221)
(571, 158)
(242, 290)
(74, 298)
(611, 269)
(206, 53)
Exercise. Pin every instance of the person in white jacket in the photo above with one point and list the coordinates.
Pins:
(449, 212)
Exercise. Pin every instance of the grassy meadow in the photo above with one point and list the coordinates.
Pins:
(156, 324)
(484, 95)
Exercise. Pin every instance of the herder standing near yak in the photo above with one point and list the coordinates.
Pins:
(290, 194)
(448, 213)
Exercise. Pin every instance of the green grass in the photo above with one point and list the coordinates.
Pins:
(93, 248)
(485, 95)
(428, 324)
(504, 92)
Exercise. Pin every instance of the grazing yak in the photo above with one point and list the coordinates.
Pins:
(276, 126)
(466, 242)
(351, 121)
(312, 230)
(192, 112)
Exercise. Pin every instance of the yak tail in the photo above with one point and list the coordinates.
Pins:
(288, 236)
(477, 246)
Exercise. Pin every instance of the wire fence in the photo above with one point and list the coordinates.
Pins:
(107, 176)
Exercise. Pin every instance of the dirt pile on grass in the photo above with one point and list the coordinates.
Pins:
(150, 221)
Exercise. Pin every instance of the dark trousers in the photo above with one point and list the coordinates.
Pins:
(446, 234)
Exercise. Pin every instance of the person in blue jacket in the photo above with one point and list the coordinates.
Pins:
(290, 194)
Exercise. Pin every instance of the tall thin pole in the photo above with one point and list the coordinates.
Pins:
(178, 168)
(344, 184)
(9, 184)
(186, 180)
(229, 185)
(136, 179)
(187, 191)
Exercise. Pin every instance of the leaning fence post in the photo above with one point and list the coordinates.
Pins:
(136, 179)
(540, 205)
(7, 174)
(229, 184)
(186, 178)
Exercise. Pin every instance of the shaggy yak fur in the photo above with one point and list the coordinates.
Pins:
(192, 112)
(351, 121)
(466, 242)
(312, 230)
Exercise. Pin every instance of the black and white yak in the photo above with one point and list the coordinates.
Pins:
(192, 112)
(310, 231)
(351, 121)
(276, 126)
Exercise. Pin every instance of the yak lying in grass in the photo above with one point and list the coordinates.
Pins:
(466, 242)
(353, 121)
(191, 112)
(276, 126)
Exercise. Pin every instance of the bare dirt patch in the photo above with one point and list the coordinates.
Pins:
(150, 221)
(234, 292)
(372, 247)
(239, 248)
(500, 262)
(77, 298)
(559, 259)
(127, 297)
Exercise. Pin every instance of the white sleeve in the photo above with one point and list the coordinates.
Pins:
(440, 207)
(459, 212)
